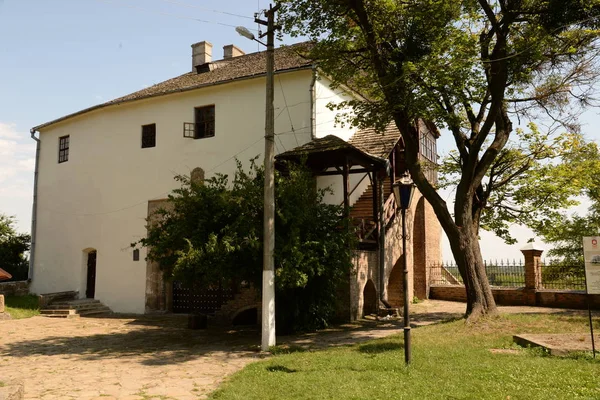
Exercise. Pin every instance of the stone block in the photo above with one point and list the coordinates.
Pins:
(12, 391)
(1, 303)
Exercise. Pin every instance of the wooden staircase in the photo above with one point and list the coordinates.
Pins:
(363, 207)
(75, 309)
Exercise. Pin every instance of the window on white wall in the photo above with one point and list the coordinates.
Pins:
(63, 149)
(148, 136)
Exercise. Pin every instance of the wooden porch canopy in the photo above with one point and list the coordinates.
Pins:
(331, 155)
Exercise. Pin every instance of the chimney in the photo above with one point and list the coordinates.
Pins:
(201, 54)
(231, 51)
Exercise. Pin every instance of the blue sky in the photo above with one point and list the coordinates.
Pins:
(60, 56)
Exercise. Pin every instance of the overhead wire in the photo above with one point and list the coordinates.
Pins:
(147, 10)
(181, 3)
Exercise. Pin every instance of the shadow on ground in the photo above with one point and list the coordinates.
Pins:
(154, 346)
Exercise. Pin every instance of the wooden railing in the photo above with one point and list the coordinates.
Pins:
(366, 229)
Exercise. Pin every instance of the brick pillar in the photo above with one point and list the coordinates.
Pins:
(1, 303)
(533, 275)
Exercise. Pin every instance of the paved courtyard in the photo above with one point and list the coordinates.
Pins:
(142, 357)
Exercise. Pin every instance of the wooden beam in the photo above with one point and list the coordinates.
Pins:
(346, 183)
(350, 171)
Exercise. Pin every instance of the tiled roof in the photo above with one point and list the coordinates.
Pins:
(330, 151)
(221, 71)
(378, 144)
(319, 145)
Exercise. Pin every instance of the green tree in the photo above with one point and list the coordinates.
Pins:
(13, 247)
(467, 65)
(565, 233)
(532, 181)
(211, 234)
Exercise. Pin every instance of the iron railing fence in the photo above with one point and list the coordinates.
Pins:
(559, 276)
(501, 273)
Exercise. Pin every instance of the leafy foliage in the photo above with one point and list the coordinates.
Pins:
(211, 233)
(471, 66)
(532, 181)
(13, 247)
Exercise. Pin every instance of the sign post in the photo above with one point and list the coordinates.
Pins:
(591, 255)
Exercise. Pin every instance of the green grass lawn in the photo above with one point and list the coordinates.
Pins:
(22, 306)
(450, 361)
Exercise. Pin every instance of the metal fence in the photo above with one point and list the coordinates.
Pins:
(501, 273)
(566, 277)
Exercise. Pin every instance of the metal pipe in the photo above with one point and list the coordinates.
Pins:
(381, 201)
(407, 351)
(34, 206)
(313, 102)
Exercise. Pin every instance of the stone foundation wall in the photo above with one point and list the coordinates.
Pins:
(247, 298)
(366, 267)
(19, 288)
(521, 296)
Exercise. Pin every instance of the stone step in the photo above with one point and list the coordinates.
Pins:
(76, 302)
(58, 312)
(98, 311)
(75, 309)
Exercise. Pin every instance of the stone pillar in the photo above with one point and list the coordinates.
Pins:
(533, 274)
(1, 303)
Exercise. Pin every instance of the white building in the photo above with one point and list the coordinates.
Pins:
(98, 169)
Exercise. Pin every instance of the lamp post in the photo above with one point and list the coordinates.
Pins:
(403, 193)
(268, 281)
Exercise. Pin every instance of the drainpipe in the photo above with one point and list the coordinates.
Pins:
(313, 102)
(34, 207)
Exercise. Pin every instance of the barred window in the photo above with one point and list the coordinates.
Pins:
(148, 136)
(205, 122)
(63, 149)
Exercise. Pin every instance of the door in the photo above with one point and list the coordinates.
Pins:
(91, 275)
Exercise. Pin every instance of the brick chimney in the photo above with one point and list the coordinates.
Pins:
(201, 54)
(231, 51)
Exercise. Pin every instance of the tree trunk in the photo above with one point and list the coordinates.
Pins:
(466, 251)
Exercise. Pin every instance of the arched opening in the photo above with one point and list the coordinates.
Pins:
(396, 284)
(248, 316)
(419, 244)
(369, 298)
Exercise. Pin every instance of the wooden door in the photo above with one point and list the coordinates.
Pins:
(91, 275)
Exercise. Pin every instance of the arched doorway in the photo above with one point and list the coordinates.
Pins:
(90, 288)
(396, 284)
(369, 298)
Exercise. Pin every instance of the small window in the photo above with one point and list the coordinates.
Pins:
(63, 149)
(148, 136)
(136, 255)
(205, 122)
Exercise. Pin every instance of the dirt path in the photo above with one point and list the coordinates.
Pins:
(157, 357)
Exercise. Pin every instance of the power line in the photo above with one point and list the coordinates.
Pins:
(159, 196)
(180, 3)
(288, 111)
(138, 8)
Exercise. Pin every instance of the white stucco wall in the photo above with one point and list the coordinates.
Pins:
(325, 119)
(98, 199)
(325, 124)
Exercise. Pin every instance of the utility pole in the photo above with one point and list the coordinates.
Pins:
(268, 281)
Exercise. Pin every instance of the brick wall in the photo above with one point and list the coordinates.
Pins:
(19, 288)
(521, 296)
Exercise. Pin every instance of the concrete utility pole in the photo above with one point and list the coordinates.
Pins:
(268, 282)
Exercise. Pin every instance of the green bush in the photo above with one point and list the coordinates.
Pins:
(211, 235)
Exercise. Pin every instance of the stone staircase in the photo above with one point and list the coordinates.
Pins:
(75, 309)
